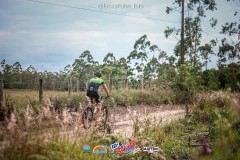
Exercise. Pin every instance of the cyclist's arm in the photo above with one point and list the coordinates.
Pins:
(106, 90)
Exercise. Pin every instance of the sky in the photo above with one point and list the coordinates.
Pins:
(49, 37)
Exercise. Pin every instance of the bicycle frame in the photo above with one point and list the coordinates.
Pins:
(90, 111)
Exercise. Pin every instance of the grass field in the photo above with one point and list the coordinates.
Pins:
(21, 98)
(212, 112)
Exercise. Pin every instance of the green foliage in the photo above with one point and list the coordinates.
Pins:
(211, 79)
(228, 138)
(186, 84)
(177, 148)
(207, 106)
(135, 97)
(230, 76)
(59, 150)
(227, 134)
(193, 31)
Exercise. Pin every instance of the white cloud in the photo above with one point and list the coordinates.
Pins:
(44, 34)
(79, 25)
(154, 10)
(138, 21)
(4, 34)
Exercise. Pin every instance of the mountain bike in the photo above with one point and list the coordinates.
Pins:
(89, 115)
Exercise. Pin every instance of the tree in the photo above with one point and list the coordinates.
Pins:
(150, 71)
(230, 46)
(109, 60)
(17, 75)
(85, 66)
(109, 66)
(30, 77)
(7, 75)
(139, 56)
(226, 52)
(171, 61)
(206, 50)
(124, 71)
(192, 28)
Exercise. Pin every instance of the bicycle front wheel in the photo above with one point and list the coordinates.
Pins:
(87, 117)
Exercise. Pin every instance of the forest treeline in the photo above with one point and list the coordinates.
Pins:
(147, 65)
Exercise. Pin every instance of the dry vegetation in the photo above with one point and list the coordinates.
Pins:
(52, 130)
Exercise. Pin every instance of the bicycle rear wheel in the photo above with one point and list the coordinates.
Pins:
(87, 117)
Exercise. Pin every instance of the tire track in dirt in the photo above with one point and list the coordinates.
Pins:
(123, 122)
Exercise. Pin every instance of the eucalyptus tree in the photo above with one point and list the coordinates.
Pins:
(109, 60)
(171, 61)
(150, 70)
(49, 80)
(230, 48)
(7, 74)
(226, 53)
(138, 57)
(206, 51)
(63, 77)
(67, 69)
(117, 70)
(109, 67)
(30, 77)
(162, 58)
(17, 75)
(85, 66)
(229, 52)
(193, 28)
(124, 71)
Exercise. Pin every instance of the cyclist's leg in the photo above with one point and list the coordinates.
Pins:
(91, 97)
(99, 104)
(88, 98)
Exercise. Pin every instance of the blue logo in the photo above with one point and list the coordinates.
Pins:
(86, 148)
(114, 146)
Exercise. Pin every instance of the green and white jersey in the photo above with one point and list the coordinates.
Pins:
(94, 84)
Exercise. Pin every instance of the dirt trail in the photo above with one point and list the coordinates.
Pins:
(123, 121)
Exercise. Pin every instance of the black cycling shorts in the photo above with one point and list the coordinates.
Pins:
(93, 95)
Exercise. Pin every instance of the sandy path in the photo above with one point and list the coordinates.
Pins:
(123, 123)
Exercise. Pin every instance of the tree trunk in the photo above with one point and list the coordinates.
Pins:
(126, 83)
(182, 34)
(40, 90)
(86, 85)
(110, 82)
(2, 106)
(77, 85)
(69, 85)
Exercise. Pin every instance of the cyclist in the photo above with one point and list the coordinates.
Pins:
(92, 90)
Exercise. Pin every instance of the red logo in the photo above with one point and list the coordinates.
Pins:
(126, 149)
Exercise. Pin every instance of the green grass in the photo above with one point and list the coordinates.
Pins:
(16, 100)
(60, 150)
